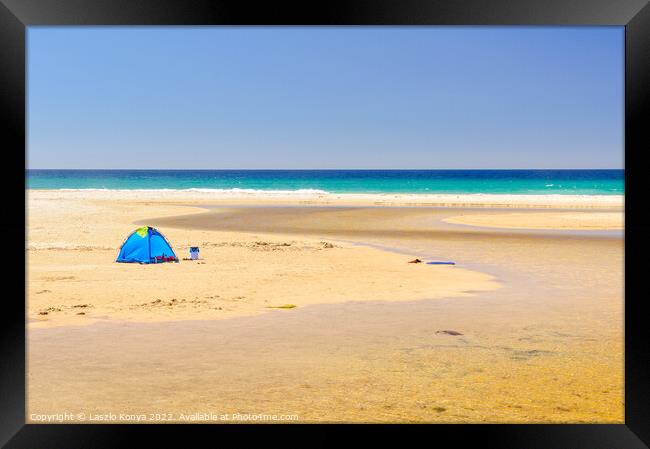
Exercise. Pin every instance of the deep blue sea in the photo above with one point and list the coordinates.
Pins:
(570, 182)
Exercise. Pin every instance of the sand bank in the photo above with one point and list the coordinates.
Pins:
(72, 278)
(203, 196)
(544, 220)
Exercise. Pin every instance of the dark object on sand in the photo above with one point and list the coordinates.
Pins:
(441, 263)
(447, 332)
(415, 261)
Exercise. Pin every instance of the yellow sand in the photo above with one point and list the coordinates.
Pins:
(72, 278)
(239, 197)
(541, 316)
(544, 220)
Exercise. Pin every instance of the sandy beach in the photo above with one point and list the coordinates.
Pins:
(305, 305)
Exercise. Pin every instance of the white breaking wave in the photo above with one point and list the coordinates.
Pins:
(255, 191)
(236, 191)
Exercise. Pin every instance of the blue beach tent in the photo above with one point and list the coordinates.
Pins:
(146, 245)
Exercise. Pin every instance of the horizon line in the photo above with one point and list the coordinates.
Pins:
(323, 169)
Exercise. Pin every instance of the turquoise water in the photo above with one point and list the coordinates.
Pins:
(563, 182)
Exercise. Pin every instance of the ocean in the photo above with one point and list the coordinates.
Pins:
(562, 182)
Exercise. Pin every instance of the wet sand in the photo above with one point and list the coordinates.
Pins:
(546, 346)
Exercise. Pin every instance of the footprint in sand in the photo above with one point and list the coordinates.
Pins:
(526, 355)
(59, 278)
(49, 310)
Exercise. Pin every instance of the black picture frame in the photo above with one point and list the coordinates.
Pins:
(16, 15)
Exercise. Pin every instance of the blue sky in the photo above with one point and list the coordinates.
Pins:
(338, 97)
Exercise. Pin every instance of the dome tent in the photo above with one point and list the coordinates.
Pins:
(146, 245)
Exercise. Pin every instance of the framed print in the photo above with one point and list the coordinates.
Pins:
(348, 213)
